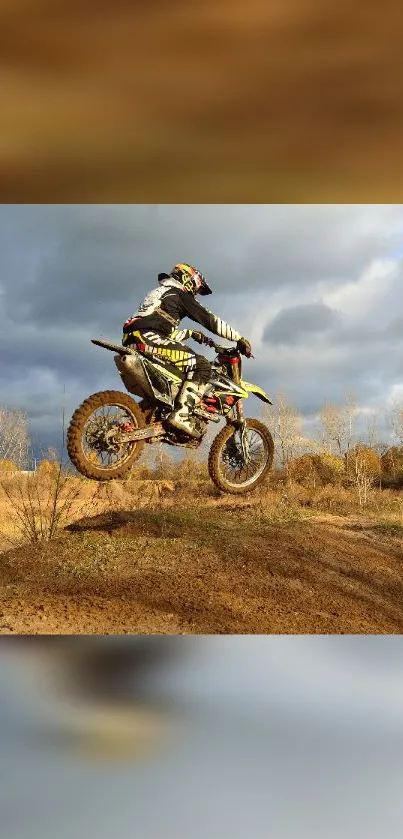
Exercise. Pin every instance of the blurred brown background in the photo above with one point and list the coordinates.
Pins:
(202, 101)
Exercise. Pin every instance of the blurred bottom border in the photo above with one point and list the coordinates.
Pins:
(159, 736)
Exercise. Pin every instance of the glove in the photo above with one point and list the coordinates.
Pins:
(202, 339)
(244, 347)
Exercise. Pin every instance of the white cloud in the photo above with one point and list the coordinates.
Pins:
(394, 394)
(358, 299)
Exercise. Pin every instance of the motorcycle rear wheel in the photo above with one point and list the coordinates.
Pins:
(85, 462)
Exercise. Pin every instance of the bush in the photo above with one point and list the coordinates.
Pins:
(164, 466)
(331, 468)
(142, 473)
(48, 467)
(334, 500)
(303, 471)
(8, 466)
(392, 466)
(298, 495)
(362, 460)
(315, 470)
(40, 504)
(191, 470)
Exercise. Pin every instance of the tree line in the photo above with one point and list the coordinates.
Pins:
(339, 448)
(345, 445)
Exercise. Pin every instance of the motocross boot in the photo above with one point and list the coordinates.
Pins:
(188, 399)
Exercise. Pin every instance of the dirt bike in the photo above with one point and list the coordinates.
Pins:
(104, 446)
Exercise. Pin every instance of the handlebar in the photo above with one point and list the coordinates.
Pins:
(218, 348)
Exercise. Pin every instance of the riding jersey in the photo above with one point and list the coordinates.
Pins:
(163, 309)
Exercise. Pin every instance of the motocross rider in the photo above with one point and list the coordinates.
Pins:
(154, 329)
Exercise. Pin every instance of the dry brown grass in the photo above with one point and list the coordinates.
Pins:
(54, 500)
(274, 561)
(38, 506)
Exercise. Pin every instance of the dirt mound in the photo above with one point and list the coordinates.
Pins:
(161, 571)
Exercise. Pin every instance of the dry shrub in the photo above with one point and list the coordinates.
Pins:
(194, 489)
(40, 504)
(318, 470)
(48, 467)
(276, 507)
(7, 466)
(303, 471)
(276, 479)
(385, 503)
(191, 469)
(125, 495)
(141, 473)
(392, 467)
(331, 468)
(299, 496)
(269, 498)
(164, 468)
(149, 493)
(333, 499)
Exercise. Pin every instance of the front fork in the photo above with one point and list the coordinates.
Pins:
(240, 421)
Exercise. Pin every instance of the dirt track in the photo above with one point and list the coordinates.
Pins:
(152, 571)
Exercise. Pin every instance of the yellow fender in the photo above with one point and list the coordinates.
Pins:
(257, 391)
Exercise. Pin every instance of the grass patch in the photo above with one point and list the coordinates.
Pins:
(388, 528)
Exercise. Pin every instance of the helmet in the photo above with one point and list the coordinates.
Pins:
(190, 278)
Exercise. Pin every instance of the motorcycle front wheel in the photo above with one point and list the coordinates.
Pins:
(228, 468)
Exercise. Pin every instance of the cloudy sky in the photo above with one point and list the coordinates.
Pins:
(316, 287)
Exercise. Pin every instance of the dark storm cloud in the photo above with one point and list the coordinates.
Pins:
(93, 256)
(295, 323)
(298, 279)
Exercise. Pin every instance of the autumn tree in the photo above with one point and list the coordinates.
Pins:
(48, 467)
(14, 441)
(7, 466)
(286, 425)
(363, 469)
(337, 426)
(163, 464)
(395, 420)
(331, 468)
(392, 463)
(313, 470)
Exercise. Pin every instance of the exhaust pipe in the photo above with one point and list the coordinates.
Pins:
(116, 348)
(131, 372)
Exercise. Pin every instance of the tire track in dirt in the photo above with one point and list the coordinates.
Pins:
(154, 571)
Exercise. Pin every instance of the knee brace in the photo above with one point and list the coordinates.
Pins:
(202, 370)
